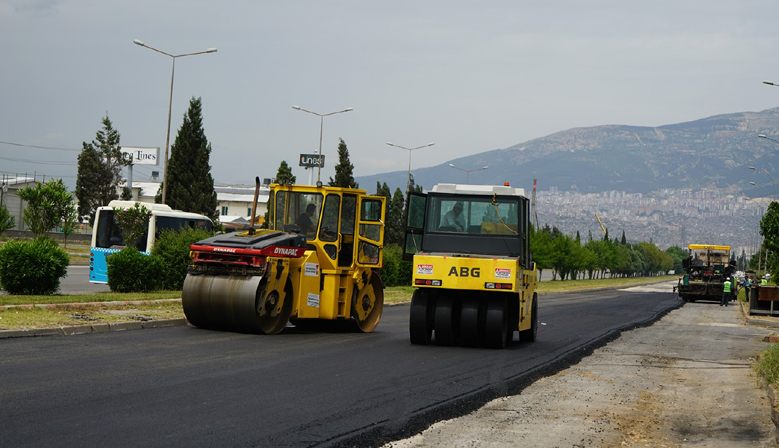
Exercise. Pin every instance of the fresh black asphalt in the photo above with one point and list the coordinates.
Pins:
(183, 386)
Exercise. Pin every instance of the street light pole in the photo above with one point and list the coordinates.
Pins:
(170, 105)
(764, 188)
(769, 176)
(408, 179)
(468, 175)
(321, 124)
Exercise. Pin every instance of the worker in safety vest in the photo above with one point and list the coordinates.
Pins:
(764, 281)
(725, 292)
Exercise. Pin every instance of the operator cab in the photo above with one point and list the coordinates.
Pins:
(468, 219)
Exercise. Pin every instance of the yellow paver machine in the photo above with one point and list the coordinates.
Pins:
(316, 262)
(706, 269)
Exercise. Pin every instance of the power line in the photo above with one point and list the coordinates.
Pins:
(61, 163)
(40, 147)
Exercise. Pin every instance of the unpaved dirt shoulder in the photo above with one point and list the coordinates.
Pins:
(684, 381)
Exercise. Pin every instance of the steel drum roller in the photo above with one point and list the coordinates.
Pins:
(223, 302)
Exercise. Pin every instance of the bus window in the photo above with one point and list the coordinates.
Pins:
(174, 223)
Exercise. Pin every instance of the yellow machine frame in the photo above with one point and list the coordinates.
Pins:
(335, 278)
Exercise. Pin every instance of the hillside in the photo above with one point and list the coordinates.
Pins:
(711, 153)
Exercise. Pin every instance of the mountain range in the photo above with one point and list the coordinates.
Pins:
(710, 153)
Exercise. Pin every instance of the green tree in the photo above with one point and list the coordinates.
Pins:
(134, 222)
(99, 170)
(284, 174)
(769, 227)
(383, 190)
(127, 194)
(6, 220)
(344, 171)
(69, 222)
(677, 254)
(541, 248)
(396, 227)
(47, 205)
(190, 186)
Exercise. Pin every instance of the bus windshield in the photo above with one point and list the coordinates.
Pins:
(108, 234)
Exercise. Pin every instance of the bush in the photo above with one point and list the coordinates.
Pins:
(173, 248)
(132, 271)
(34, 267)
(396, 271)
(767, 365)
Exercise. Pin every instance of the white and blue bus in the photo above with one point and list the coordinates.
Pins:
(108, 237)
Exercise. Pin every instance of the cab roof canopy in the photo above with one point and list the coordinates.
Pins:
(478, 189)
(708, 247)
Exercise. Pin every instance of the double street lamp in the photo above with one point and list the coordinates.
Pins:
(170, 104)
(319, 155)
(468, 175)
(408, 182)
(769, 176)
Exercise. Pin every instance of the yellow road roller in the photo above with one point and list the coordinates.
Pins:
(476, 281)
(317, 262)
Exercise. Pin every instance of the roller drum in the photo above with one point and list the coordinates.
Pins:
(222, 302)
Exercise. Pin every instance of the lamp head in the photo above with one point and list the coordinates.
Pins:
(211, 50)
(296, 107)
(137, 42)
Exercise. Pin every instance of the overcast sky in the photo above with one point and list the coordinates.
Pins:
(471, 76)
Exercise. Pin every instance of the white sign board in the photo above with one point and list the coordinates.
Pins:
(142, 156)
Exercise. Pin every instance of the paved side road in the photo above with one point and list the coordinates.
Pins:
(684, 381)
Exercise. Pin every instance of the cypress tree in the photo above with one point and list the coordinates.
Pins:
(99, 170)
(344, 176)
(190, 184)
(396, 228)
(284, 174)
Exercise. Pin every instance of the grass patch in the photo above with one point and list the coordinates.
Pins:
(87, 298)
(398, 294)
(767, 365)
(26, 318)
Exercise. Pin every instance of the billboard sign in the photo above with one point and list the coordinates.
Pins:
(311, 160)
(142, 156)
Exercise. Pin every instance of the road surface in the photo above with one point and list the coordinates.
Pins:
(184, 386)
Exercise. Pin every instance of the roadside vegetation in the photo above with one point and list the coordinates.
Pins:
(26, 318)
(767, 365)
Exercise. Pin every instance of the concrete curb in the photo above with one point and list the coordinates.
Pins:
(756, 321)
(71, 330)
